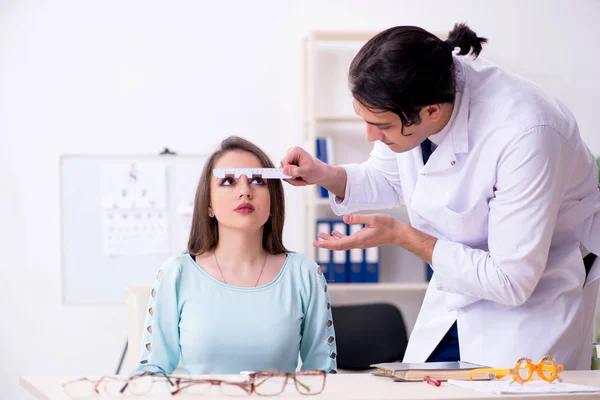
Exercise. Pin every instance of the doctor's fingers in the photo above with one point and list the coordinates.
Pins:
(297, 171)
(362, 219)
(296, 182)
(334, 235)
(334, 243)
(337, 234)
(295, 156)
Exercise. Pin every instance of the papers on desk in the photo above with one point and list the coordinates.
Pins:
(505, 387)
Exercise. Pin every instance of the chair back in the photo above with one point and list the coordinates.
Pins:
(136, 303)
(368, 334)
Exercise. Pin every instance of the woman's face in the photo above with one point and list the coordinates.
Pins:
(240, 203)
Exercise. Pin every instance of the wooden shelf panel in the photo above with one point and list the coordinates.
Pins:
(380, 287)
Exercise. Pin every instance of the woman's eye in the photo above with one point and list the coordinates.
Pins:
(258, 181)
(385, 128)
(227, 182)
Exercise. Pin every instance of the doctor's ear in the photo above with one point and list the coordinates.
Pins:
(432, 112)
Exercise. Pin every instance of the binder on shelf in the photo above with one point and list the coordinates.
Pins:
(329, 150)
(324, 255)
(340, 257)
(357, 264)
(322, 155)
(372, 265)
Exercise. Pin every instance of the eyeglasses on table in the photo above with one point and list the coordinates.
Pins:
(137, 384)
(262, 383)
(524, 368)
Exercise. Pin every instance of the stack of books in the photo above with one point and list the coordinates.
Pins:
(441, 371)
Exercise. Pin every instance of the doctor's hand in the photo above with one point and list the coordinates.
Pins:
(308, 170)
(304, 168)
(379, 230)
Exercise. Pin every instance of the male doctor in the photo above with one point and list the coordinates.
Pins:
(501, 192)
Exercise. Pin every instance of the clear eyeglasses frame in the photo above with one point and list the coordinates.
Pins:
(262, 383)
(138, 384)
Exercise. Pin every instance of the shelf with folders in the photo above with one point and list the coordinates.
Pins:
(387, 264)
(351, 266)
(331, 121)
(385, 286)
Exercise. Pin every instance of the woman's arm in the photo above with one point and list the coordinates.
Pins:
(318, 345)
(160, 340)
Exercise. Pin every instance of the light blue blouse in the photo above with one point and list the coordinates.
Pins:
(223, 329)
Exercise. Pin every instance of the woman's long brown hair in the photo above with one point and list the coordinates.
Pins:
(204, 234)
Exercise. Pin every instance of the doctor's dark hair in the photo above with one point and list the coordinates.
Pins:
(204, 234)
(405, 68)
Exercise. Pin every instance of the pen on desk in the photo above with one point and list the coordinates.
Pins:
(433, 382)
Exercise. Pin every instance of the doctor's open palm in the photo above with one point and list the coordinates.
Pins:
(379, 230)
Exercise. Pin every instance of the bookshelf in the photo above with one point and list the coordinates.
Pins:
(328, 112)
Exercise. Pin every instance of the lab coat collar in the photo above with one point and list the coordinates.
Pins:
(456, 132)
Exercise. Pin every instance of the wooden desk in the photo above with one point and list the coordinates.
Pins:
(340, 386)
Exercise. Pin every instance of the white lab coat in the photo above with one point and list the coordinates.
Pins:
(511, 193)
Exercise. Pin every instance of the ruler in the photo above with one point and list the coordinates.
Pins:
(265, 173)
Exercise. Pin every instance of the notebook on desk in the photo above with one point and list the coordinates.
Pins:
(436, 370)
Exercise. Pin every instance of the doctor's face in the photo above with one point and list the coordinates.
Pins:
(386, 127)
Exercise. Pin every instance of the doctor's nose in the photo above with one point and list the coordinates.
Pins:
(374, 133)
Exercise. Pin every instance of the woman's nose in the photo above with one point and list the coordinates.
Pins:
(245, 187)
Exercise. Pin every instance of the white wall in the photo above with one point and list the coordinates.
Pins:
(96, 77)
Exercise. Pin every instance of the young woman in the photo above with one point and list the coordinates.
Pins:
(238, 300)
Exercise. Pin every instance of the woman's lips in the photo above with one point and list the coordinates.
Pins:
(245, 208)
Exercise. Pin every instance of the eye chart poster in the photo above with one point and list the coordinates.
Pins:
(134, 203)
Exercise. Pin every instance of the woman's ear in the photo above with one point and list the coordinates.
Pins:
(210, 212)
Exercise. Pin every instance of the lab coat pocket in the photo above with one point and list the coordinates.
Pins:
(468, 227)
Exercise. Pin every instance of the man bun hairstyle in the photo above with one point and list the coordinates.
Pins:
(463, 37)
(406, 68)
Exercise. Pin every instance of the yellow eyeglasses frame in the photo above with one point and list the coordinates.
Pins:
(546, 364)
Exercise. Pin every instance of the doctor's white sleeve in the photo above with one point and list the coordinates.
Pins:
(532, 176)
(374, 184)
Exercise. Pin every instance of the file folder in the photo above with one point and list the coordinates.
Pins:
(372, 265)
(357, 260)
(340, 257)
(322, 155)
(324, 255)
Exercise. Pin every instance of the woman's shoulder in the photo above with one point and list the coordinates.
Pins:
(299, 260)
(174, 265)
(303, 266)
